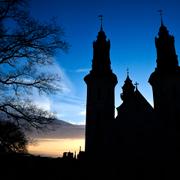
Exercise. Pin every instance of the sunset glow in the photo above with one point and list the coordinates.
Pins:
(55, 147)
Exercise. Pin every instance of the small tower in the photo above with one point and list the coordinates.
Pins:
(133, 101)
(101, 82)
(128, 89)
(133, 124)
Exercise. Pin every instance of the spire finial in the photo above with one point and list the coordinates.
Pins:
(127, 71)
(161, 16)
(101, 20)
(136, 84)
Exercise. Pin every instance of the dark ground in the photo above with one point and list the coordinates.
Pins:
(35, 167)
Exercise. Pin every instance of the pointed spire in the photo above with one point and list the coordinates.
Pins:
(127, 72)
(128, 78)
(163, 29)
(161, 16)
(128, 88)
(166, 54)
(101, 19)
(101, 53)
(101, 34)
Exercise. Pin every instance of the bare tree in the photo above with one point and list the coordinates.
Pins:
(26, 47)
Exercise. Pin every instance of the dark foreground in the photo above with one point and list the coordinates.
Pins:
(34, 167)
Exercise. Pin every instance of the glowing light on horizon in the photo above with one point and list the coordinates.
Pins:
(55, 147)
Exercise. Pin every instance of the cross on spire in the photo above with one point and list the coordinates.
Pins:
(136, 84)
(161, 16)
(127, 71)
(101, 20)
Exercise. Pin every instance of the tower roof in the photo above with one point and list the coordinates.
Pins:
(163, 29)
(128, 89)
(141, 102)
(167, 61)
(101, 35)
(128, 83)
(133, 101)
(101, 64)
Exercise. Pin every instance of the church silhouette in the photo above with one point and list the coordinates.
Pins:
(139, 131)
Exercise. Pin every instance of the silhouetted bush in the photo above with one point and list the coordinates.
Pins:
(12, 139)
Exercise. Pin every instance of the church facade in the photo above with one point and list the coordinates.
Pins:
(139, 131)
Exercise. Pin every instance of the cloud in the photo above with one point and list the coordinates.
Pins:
(71, 112)
(65, 104)
(70, 99)
(65, 82)
(43, 102)
(82, 113)
(82, 70)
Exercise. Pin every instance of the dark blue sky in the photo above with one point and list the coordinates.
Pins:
(131, 26)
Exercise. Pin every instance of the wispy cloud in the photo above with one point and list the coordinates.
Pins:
(43, 102)
(70, 99)
(68, 110)
(66, 104)
(65, 82)
(82, 70)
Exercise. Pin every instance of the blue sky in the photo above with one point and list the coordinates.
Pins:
(131, 26)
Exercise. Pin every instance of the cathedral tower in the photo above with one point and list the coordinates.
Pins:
(165, 82)
(101, 82)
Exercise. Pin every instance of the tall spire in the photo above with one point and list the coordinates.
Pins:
(163, 29)
(166, 53)
(101, 53)
(161, 16)
(101, 20)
